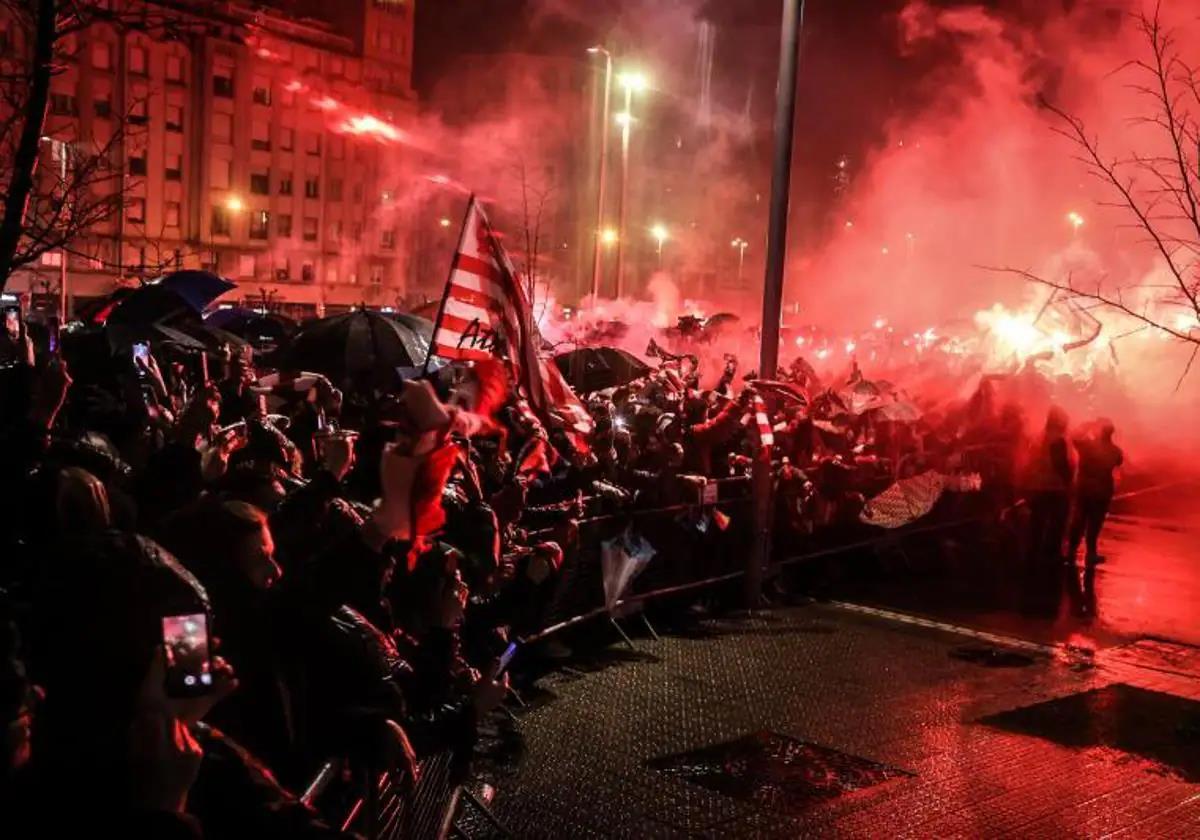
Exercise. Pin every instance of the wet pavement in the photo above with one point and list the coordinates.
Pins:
(870, 727)
(1148, 586)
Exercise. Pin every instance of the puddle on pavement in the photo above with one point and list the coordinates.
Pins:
(777, 772)
(1162, 728)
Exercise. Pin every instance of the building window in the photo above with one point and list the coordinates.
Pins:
(376, 275)
(260, 183)
(387, 239)
(337, 147)
(171, 211)
(103, 106)
(222, 173)
(101, 55)
(287, 138)
(173, 171)
(261, 92)
(387, 196)
(222, 82)
(52, 258)
(223, 127)
(137, 61)
(312, 143)
(310, 229)
(285, 183)
(307, 273)
(312, 187)
(137, 164)
(245, 265)
(283, 224)
(260, 136)
(135, 211)
(63, 104)
(335, 189)
(260, 224)
(174, 68)
(138, 114)
(220, 221)
(174, 118)
(335, 231)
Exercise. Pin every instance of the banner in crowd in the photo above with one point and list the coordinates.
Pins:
(486, 314)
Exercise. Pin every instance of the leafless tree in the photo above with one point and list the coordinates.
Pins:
(1158, 190)
(51, 208)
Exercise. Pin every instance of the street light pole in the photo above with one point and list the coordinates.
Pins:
(626, 124)
(785, 117)
(602, 177)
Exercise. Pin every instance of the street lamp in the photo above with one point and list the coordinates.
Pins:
(234, 204)
(661, 235)
(602, 175)
(633, 82)
(741, 245)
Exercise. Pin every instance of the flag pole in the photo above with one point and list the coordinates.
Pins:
(437, 324)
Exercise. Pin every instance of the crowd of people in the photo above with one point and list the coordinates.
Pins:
(217, 576)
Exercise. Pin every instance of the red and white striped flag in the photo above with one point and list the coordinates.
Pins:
(766, 436)
(486, 314)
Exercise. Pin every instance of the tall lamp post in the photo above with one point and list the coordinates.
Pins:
(741, 245)
(602, 176)
(785, 119)
(633, 83)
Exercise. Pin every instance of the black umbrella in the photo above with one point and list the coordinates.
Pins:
(590, 369)
(262, 329)
(359, 345)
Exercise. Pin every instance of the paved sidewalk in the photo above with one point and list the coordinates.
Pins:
(878, 728)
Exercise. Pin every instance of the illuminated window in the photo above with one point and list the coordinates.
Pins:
(260, 224)
(52, 258)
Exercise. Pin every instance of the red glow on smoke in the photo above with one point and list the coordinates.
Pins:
(371, 126)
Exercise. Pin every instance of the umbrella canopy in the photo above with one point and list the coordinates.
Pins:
(784, 391)
(359, 345)
(197, 288)
(259, 328)
(590, 369)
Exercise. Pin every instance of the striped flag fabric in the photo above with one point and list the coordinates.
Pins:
(766, 436)
(486, 314)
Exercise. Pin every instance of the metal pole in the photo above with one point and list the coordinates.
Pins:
(62, 269)
(602, 180)
(624, 190)
(785, 116)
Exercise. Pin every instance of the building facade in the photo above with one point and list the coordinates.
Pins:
(256, 142)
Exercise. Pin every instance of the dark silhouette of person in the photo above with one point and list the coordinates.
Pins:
(1099, 457)
(1048, 486)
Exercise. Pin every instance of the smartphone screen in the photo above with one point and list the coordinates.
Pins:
(141, 351)
(506, 659)
(52, 336)
(189, 663)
